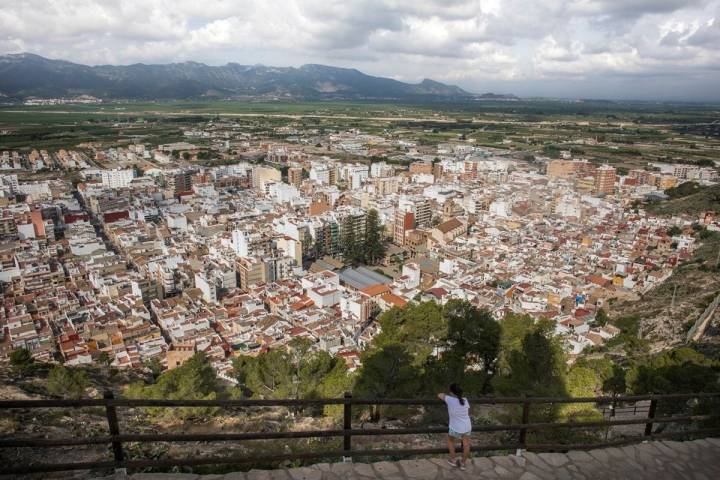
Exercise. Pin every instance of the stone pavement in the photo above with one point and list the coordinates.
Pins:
(693, 460)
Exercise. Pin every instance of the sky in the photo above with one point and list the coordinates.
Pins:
(614, 49)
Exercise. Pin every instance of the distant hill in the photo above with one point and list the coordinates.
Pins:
(689, 198)
(496, 96)
(25, 75)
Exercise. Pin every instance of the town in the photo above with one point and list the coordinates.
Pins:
(233, 242)
(324, 240)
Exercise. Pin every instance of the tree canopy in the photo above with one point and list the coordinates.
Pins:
(421, 328)
(67, 382)
(473, 340)
(374, 238)
(295, 372)
(366, 244)
(609, 378)
(436, 346)
(387, 371)
(537, 367)
(21, 361)
(682, 370)
(193, 380)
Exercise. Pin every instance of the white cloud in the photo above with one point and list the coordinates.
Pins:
(507, 45)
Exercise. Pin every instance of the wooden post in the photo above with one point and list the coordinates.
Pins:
(114, 428)
(651, 415)
(523, 430)
(347, 426)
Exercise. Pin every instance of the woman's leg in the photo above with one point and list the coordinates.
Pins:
(466, 448)
(451, 447)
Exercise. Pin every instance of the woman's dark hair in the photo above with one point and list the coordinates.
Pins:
(458, 392)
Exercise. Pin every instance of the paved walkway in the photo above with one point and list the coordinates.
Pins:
(693, 460)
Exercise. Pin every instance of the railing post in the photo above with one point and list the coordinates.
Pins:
(523, 431)
(114, 428)
(651, 415)
(347, 426)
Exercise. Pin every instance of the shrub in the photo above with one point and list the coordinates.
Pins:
(21, 361)
(66, 382)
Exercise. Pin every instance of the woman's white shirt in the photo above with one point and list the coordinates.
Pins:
(459, 414)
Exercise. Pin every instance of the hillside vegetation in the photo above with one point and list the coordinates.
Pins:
(661, 317)
(654, 322)
(688, 198)
(512, 357)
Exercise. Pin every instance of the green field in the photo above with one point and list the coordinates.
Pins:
(115, 110)
(632, 134)
(523, 110)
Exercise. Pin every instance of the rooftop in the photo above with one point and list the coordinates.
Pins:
(362, 277)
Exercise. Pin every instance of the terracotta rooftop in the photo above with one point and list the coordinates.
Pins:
(450, 225)
(375, 290)
(394, 300)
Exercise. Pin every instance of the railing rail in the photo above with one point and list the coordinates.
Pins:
(486, 400)
(116, 439)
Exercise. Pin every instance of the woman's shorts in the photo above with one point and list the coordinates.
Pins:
(455, 434)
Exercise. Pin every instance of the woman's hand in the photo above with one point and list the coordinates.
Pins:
(441, 396)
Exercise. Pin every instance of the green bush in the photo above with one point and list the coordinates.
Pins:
(193, 380)
(21, 361)
(67, 382)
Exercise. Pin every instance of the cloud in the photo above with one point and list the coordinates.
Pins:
(706, 35)
(631, 8)
(528, 46)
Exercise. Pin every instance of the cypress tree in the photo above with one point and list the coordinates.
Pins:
(374, 245)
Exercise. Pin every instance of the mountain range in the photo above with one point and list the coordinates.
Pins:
(27, 75)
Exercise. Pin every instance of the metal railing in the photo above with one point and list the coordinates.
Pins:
(121, 461)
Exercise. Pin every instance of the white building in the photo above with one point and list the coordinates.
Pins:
(411, 275)
(176, 221)
(117, 178)
(381, 169)
(500, 208)
(320, 174)
(207, 287)
(282, 192)
(355, 175)
(325, 296)
(569, 206)
(241, 244)
(11, 181)
(36, 190)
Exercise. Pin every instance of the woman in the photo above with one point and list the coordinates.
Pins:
(459, 425)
